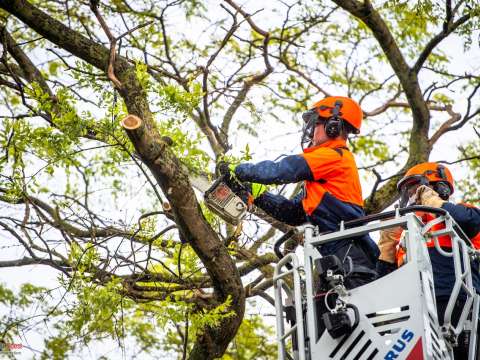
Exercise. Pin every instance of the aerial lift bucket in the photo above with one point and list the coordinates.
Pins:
(393, 317)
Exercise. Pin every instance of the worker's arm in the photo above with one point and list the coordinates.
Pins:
(290, 169)
(388, 250)
(282, 209)
(384, 268)
(315, 165)
(468, 217)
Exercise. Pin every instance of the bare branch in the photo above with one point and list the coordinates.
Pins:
(448, 28)
(113, 44)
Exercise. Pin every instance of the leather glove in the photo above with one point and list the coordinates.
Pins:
(388, 244)
(428, 197)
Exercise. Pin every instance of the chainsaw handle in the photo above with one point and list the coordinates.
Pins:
(223, 168)
(227, 176)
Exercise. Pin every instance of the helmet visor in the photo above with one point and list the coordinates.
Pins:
(408, 187)
(310, 120)
(310, 116)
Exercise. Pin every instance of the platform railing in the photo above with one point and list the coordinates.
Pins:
(295, 298)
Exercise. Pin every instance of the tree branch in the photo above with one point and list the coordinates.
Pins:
(446, 31)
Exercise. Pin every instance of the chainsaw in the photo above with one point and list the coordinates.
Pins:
(221, 197)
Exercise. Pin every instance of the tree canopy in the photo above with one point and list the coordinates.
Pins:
(109, 209)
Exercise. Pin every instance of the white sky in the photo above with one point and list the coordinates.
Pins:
(275, 140)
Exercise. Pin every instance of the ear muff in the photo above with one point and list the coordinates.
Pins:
(333, 128)
(442, 189)
(334, 124)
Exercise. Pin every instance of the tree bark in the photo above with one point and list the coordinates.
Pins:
(165, 167)
(419, 147)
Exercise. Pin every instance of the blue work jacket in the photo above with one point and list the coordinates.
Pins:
(331, 193)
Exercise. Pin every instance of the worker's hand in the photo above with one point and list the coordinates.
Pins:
(428, 197)
(227, 170)
(248, 192)
(254, 191)
(224, 168)
(388, 244)
(258, 189)
(227, 175)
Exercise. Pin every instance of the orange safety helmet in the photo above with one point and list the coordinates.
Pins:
(429, 173)
(350, 111)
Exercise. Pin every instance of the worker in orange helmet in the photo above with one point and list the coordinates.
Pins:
(332, 190)
(431, 184)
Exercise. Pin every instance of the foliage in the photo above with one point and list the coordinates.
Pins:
(254, 340)
(78, 196)
(15, 309)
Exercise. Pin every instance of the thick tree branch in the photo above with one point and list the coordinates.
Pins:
(166, 168)
(419, 147)
(408, 79)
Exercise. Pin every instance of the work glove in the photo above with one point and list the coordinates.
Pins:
(388, 244)
(428, 197)
(254, 191)
(227, 172)
(257, 189)
(248, 192)
(225, 168)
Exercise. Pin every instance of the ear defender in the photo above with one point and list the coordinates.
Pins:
(442, 187)
(334, 124)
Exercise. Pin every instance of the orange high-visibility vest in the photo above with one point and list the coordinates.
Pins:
(443, 241)
(334, 171)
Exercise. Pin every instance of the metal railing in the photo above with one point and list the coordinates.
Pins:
(295, 297)
(461, 253)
